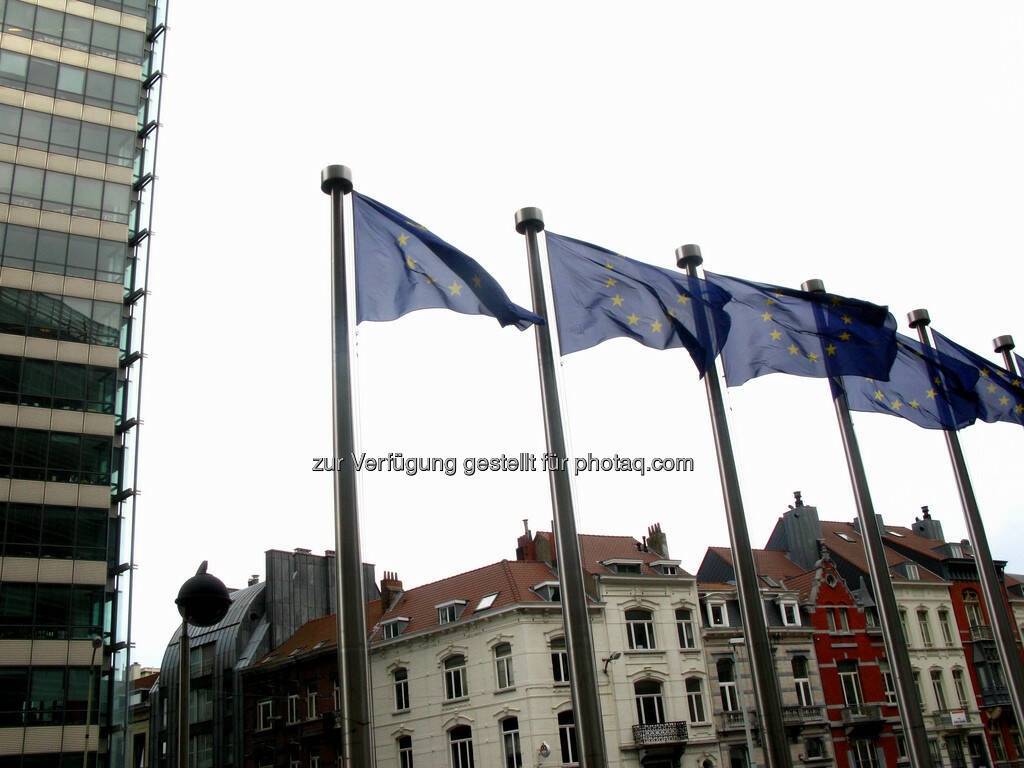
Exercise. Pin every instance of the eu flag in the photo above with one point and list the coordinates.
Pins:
(925, 386)
(782, 330)
(600, 295)
(401, 266)
(1000, 394)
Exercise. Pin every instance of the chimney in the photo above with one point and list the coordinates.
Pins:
(928, 527)
(525, 548)
(657, 540)
(801, 532)
(254, 579)
(390, 589)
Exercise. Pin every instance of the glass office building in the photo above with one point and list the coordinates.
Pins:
(80, 90)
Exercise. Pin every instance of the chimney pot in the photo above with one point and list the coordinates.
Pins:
(799, 500)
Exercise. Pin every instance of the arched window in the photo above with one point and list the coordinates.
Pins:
(503, 666)
(727, 685)
(695, 700)
(404, 751)
(567, 738)
(972, 606)
(455, 677)
(510, 748)
(802, 681)
(401, 678)
(559, 661)
(460, 739)
(649, 705)
(640, 629)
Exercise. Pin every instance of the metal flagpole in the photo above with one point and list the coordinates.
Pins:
(881, 582)
(766, 684)
(579, 642)
(353, 661)
(990, 587)
(1003, 345)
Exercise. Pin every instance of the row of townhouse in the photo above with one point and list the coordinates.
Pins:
(472, 669)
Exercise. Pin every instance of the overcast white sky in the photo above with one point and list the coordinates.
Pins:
(876, 146)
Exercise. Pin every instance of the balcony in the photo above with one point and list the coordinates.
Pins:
(995, 697)
(1009, 763)
(862, 719)
(952, 719)
(658, 734)
(733, 721)
(981, 632)
(801, 715)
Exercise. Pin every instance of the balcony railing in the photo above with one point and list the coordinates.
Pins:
(733, 721)
(981, 632)
(995, 697)
(803, 714)
(653, 734)
(952, 718)
(855, 714)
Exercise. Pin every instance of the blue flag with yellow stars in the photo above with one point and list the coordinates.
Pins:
(782, 330)
(600, 295)
(401, 266)
(925, 386)
(1000, 394)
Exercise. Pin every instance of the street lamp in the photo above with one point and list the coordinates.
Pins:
(202, 601)
(97, 643)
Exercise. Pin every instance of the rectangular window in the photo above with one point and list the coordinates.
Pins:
(803, 692)
(790, 614)
(888, 683)
(510, 747)
(903, 626)
(730, 700)
(958, 685)
(717, 617)
(945, 628)
(864, 755)
(640, 629)
(695, 700)
(293, 708)
(559, 661)
(503, 666)
(934, 751)
(311, 706)
(917, 687)
(925, 627)
(684, 626)
(264, 712)
(446, 614)
(849, 677)
(454, 678)
(567, 739)
(938, 689)
(401, 690)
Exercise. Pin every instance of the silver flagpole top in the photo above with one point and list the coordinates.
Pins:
(814, 285)
(918, 317)
(1003, 343)
(336, 177)
(527, 216)
(688, 254)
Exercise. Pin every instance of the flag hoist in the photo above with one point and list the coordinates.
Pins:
(881, 583)
(579, 641)
(762, 660)
(353, 661)
(991, 589)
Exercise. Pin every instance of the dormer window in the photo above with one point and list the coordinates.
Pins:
(717, 615)
(790, 613)
(911, 572)
(955, 550)
(449, 611)
(624, 567)
(393, 627)
(548, 590)
(665, 567)
(486, 601)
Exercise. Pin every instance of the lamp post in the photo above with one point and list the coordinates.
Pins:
(202, 601)
(97, 643)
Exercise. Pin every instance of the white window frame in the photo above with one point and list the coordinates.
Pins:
(504, 677)
(567, 740)
(695, 701)
(449, 611)
(401, 689)
(684, 628)
(804, 696)
(293, 708)
(785, 606)
(640, 632)
(511, 747)
(455, 679)
(864, 754)
(461, 750)
(711, 606)
(404, 751)
(960, 688)
(853, 694)
(311, 699)
(645, 701)
(264, 715)
(938, 688)
(392, 628)
(560, 672)
(946, 628)
(888, 683)
(924, 625)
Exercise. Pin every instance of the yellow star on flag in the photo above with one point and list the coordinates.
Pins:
(683, 299)
(897, 404)
(931, 394)
(812, 356)
(633, 319)
(844, 336)
(456, 289)
(836, 301)
(766, 316)
(414, 224)
(617, 300)
(1018, 409)
(1004, 400)
(792, 349)
(984, 372)
(991, 387)
(847, 319)
(879, 395)
(609, 283)
(671, 313)
(913, 404)
(410, 263)
(831, 349)
(476, 281)
(656, 326)
(776, 335)
(403, 239)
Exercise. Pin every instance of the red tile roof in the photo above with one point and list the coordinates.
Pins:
(323, 630)
(595, 550)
